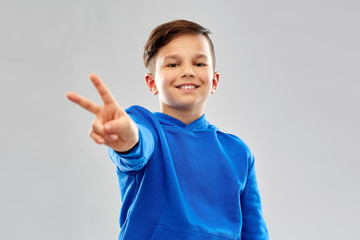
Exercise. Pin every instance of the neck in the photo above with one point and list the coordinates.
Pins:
(185, 115)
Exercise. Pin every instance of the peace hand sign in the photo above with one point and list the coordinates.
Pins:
(112, 126)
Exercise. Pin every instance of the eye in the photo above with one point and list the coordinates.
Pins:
(200, 64)
(172, 65)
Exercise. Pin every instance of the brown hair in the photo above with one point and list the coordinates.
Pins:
(166, 32)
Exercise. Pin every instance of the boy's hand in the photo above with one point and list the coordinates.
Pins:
(112, 126)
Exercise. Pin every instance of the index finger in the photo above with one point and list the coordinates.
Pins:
(104, 92)
(83, 102)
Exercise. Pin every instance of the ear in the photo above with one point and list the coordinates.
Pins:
(150, 82)
(215, 82)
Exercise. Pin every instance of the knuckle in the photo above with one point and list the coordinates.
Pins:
(93, 123)
(96, 126)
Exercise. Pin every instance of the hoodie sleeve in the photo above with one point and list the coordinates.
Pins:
(254, 226)
(138, 156)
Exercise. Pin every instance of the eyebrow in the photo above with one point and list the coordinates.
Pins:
(175, 56)
(200, 55)
(172, 57)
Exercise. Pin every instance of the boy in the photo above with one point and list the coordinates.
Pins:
(180, 177)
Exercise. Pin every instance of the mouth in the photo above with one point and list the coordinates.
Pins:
(187, 86)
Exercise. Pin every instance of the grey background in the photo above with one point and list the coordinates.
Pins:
(289, 87)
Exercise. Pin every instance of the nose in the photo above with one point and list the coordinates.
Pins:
(188, 71)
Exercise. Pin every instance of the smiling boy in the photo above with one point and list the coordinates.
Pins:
(183, 77)
(180, 177)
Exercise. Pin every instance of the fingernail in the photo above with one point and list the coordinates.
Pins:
(108, 127)
(113, 137)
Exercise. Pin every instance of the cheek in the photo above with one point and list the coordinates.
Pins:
(167, 78)
(204, 72)
(162, 81)
(206, 77)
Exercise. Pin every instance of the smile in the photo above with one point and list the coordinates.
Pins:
(187, 87)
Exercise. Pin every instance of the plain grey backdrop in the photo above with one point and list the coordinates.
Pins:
(289, 87)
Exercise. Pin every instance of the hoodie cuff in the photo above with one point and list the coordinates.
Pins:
(137, 157)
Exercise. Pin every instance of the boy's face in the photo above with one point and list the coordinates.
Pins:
(183, 76)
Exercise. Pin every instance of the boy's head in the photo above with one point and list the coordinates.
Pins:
(167, 32)
(180, 58)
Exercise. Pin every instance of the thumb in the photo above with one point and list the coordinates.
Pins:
(111, 126)
(123, 124)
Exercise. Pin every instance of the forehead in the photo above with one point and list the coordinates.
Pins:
(186, 45)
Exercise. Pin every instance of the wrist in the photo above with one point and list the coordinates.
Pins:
(124, 152)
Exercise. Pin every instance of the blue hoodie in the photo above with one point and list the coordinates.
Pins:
(187, 182)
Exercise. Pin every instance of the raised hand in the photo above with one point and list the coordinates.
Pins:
(112, 126)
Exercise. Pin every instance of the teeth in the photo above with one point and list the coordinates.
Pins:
(188, 87)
